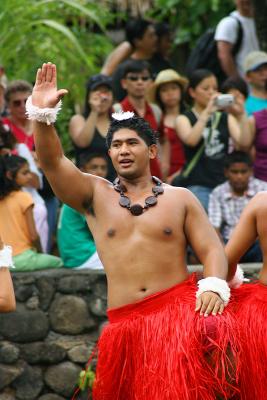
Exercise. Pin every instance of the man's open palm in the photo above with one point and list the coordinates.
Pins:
(45, 93)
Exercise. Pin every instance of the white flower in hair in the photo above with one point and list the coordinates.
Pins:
(121, 116)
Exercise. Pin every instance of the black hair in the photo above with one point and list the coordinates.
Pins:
(135, 29)
(7, 140)
(85, 158)
(136, 124)
(10, 164)
(162, 29)
(135, 66)
(237, 157)
(198, 76)
(235, 83)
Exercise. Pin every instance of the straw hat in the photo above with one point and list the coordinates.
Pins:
(165, 76)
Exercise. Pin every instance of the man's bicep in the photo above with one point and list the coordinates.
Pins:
(243, 236)
(199, 231)
(70, 185)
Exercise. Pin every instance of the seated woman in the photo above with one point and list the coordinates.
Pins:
(88, 131)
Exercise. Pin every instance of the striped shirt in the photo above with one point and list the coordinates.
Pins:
(225, 208)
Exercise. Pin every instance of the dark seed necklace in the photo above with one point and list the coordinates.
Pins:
(150, 201)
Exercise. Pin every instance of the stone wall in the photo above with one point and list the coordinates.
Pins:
(47, 341)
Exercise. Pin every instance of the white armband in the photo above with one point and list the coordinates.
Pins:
(6, 257)
(46, 115)
(213, 284)
(238, 279)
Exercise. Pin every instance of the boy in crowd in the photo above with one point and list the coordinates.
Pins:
(255, 66)
(228, 200)
(75, 241)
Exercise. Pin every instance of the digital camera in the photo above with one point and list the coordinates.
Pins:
(224, 100)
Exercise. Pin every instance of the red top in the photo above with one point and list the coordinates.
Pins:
(19, 134)
(150, 118)
(177, 157)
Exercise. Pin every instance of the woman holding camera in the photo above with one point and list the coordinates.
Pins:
(88, 131)
(205, 131)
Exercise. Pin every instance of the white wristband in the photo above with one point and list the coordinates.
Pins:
(6, 257)
(238, 279)
(46, 115)
(213, 284)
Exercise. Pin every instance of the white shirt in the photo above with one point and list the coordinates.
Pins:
(227, 31)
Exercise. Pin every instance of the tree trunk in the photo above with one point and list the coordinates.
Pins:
(260, 7)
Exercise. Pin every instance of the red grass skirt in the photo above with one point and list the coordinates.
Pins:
(161, 349)
(251, 312)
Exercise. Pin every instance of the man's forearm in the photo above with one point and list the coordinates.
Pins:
(48, 146)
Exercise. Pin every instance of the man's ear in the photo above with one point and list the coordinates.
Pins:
(248, 78)
(152, 151)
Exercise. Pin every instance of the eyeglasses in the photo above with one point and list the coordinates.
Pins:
(135, 78)
(18, 103)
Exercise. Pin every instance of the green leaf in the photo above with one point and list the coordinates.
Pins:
(84, 11)
(66, 32)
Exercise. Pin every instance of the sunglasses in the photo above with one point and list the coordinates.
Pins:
(18, 103)
(135, 78)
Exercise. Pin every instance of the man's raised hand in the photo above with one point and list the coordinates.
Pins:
(45, 93)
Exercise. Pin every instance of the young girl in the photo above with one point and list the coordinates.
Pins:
(17, 226)
(167, 92)
(251, 299)
(88, 131)
(7, 296)
(204, 123)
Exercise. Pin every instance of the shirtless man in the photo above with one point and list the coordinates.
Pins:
(251, 299)
(144, 257)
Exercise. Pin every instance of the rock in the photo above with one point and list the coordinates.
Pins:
(24, 326)
(8, 373)
(29, 384)
(98, 307)
(67, 342)
(50, 396)
(40, 352)
(80, 354)
(32, 303)
(23, 292)
(100, 290)
(46, 288)
(74, 284)
(69, 314)
(63, 378)
(9, 353)
(8, 395)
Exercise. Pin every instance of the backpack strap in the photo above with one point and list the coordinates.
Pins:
(240, 35)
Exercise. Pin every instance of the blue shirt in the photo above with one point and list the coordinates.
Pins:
(75, 241)
(254, 104)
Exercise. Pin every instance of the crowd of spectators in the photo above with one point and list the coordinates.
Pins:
(221, 145)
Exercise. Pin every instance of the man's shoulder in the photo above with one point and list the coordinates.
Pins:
(227, 27)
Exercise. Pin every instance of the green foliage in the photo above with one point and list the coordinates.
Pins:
(190, 18)
(69, 33)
